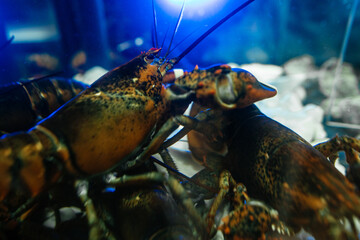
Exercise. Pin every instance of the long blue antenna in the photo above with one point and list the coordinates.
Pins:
(176, 28)
(155, 25)
(202, 37)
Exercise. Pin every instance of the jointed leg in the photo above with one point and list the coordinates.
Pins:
(198, 123)
(97, 229)
(169, 127)
(351, 147)
(336, 144)
(250, 219)
(225, 182)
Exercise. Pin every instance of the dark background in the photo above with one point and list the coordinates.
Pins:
(267, 31)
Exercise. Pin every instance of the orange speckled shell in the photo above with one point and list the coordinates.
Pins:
(111, 119)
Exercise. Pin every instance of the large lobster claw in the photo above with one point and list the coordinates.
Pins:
(220, 86)
(239, 89)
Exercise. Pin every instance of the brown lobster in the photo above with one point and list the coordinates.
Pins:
(212, 88)
(118, 122)
(253, 219)
(280, 168)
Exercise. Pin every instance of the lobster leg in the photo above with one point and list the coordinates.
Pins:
(225, 182)
(168, 160)
(351, 147)
(250, 219)
(344, 143)
(198, 123)
(205, 177)
(169, 127)
(97, 228)
(202, 185)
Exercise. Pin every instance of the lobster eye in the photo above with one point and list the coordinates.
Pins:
(151, 56)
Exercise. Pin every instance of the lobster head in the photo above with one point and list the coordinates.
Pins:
(152, 58)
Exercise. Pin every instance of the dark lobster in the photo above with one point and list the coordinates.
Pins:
(118, 122)
(216, 86)
(254, 218)
(281, 169)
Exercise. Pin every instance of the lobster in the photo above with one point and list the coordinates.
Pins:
(217, 79)
(34, 100)
(280, 168)
(210, 88)
(118, 122)
(253, 219)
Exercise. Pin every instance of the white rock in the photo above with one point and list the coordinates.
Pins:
(347, 84)
(345, 109)
(306, 121)
(350, 109)
(263, 72)
(301, 66)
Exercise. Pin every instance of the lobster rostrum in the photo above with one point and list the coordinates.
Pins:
(282, 169)
(119, 121)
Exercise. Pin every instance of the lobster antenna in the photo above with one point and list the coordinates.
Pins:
(162, 44)
(202, 37)
(179, 43)
(153, 37)
(176, 28)
(155, 43)
(7, 42)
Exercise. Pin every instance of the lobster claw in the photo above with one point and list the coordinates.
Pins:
(239, 88)
(220, 86)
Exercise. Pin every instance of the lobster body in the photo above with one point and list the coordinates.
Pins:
(119, 110)
(118, 122)
(92, 133)
(22, 104)
(108, 125)
(280, 168)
